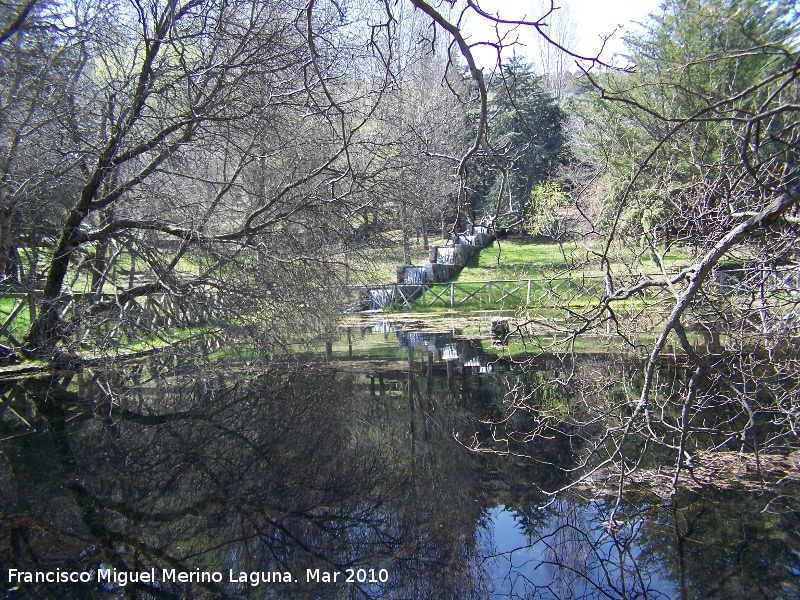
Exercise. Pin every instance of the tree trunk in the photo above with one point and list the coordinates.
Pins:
(14, 270)
(48, 327)
(100, 258)
(406, 243)
(6, 244)
(404, 226)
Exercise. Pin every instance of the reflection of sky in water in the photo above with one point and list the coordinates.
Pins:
(397, 481)
(571, 555)
(571, 549)
(513, 557)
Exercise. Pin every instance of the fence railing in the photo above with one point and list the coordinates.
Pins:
(559, 291)
(739, 281)
(502, 292)
(147, 313)
(18, 306)
(512, 292)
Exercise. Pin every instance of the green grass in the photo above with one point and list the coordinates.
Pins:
(560, 275)
(19, 326)
(532, 258)
(521, 258)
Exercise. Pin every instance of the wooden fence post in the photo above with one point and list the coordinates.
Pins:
(32, 305)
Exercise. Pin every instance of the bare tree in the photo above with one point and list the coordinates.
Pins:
(553, 64)
(419, 128)
(197, 142)
(196, 134)
(38, 61)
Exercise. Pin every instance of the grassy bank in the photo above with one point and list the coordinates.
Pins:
(533, 258)
(540, 275)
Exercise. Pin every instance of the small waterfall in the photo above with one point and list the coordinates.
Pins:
(380, 299)
(416, 338)
(450, 352)
(445, 255)
(383, 327)
(414, 276)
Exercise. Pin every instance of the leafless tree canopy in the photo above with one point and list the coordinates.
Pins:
(205, 153)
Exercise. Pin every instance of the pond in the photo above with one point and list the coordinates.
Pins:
(351, 479)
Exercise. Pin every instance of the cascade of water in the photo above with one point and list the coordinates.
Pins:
(450, 352)
(414, 276)
(379, 299)
(383, 327)
(445, 255)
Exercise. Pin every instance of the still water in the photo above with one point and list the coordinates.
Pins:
(353, 479)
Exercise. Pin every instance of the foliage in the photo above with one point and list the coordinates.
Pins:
(527, 143)
(698, 147)
(704, 69)
(541, 218)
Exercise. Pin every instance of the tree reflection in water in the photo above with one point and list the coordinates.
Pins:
(700, 546)
(280, 473)
(214, 470)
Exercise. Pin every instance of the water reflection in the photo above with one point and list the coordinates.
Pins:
(222, 470)
(442, 346)
(697, 547)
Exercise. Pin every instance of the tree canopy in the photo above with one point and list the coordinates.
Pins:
(527, 144)
(199, 176)
(704, 126)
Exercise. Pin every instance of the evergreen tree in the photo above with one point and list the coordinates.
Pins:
(703, 70)
(526, 137)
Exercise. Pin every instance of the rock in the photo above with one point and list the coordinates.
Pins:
(501, 327)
